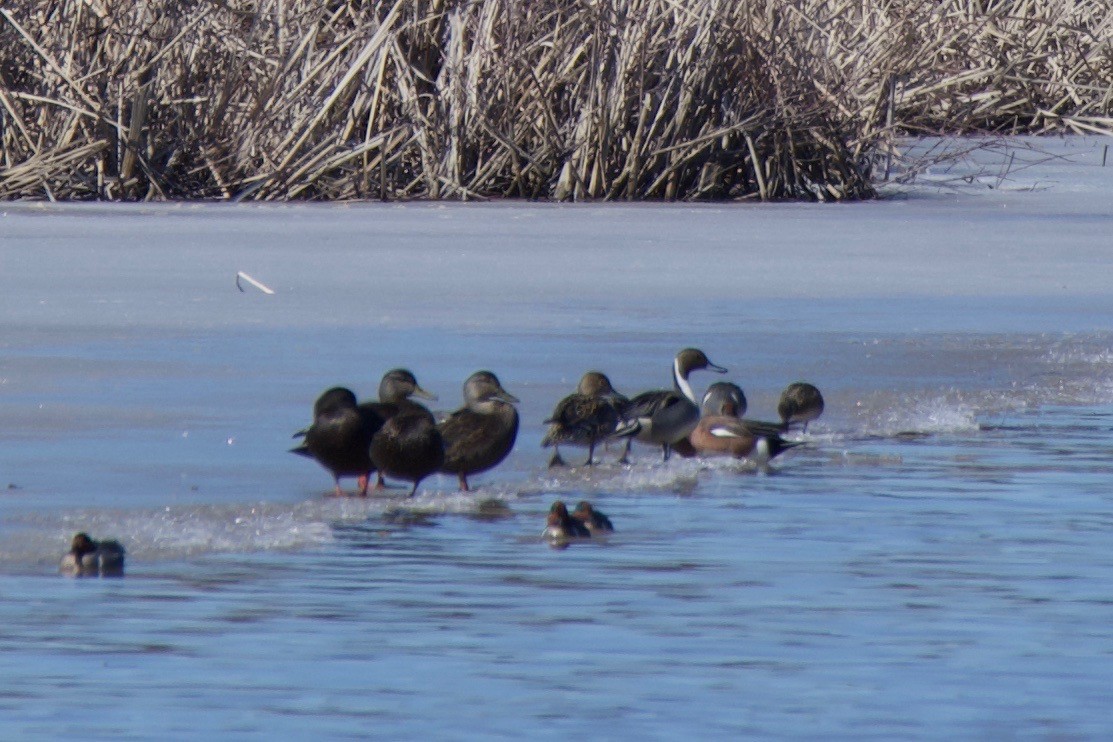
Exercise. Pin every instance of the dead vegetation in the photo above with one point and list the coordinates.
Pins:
(553, 99)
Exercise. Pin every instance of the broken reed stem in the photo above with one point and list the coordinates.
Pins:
(465, 99)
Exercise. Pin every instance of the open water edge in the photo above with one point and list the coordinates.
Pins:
(935, 562)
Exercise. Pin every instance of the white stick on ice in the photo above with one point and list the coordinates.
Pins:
(253, 282)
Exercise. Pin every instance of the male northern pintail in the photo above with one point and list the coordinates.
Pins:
(561, 526)
(665, 416)
(89, 558)
(584, 418)
(593, 520)
(340, 437)
(800, 403)
(480, 434)
(408, 447)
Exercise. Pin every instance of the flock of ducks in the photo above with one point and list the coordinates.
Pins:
(399, 438)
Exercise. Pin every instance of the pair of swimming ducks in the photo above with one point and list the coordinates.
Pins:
(583, 522)
(400, 438)
(673, 419)
(89, 558)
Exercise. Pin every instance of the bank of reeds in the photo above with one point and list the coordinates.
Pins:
(564, 99)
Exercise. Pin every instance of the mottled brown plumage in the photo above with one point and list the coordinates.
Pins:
(584, 418)
(800, 403)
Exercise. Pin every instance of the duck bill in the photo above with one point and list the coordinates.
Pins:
(506, 396)
(419, 392)
(717, 369)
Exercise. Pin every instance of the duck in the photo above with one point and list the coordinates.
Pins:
(721, 398)
(800, 403)
(724, 398)
(667, 416)
(87, 557)
(395, 391)
(340, 437)
(593, 520)
(408, 446)
(561, 526)
(584, 418)
(722, 431)
(479, 435)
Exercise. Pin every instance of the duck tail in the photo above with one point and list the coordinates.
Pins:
(302, 450)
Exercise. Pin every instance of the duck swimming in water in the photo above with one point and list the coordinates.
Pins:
(800, 403)
(89, 558)
(584, 418)
(479, 435)
(340, 437)
(561, 526)
(408, 447)
(665, 416)
(593, 520)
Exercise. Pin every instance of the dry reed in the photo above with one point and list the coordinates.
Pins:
(564, 99)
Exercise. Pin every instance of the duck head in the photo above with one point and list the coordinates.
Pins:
(724, 398)
(333, 400)
(82, 545)
(398, 384)
(483, 392)
(687, 361)
(596, 384)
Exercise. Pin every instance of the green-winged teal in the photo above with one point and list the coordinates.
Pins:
(561, 526)
(593, 520)
(89, 558)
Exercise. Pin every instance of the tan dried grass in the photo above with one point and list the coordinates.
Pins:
(565, 99)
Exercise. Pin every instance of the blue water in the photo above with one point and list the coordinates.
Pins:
(935, 562)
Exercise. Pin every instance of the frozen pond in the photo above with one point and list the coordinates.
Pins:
(935, 562)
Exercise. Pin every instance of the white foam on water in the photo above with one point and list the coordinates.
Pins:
(931, 415)
(178, 532)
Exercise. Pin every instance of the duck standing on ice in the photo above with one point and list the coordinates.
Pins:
(667, 416)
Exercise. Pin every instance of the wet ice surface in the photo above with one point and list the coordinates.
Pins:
(934, 562)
